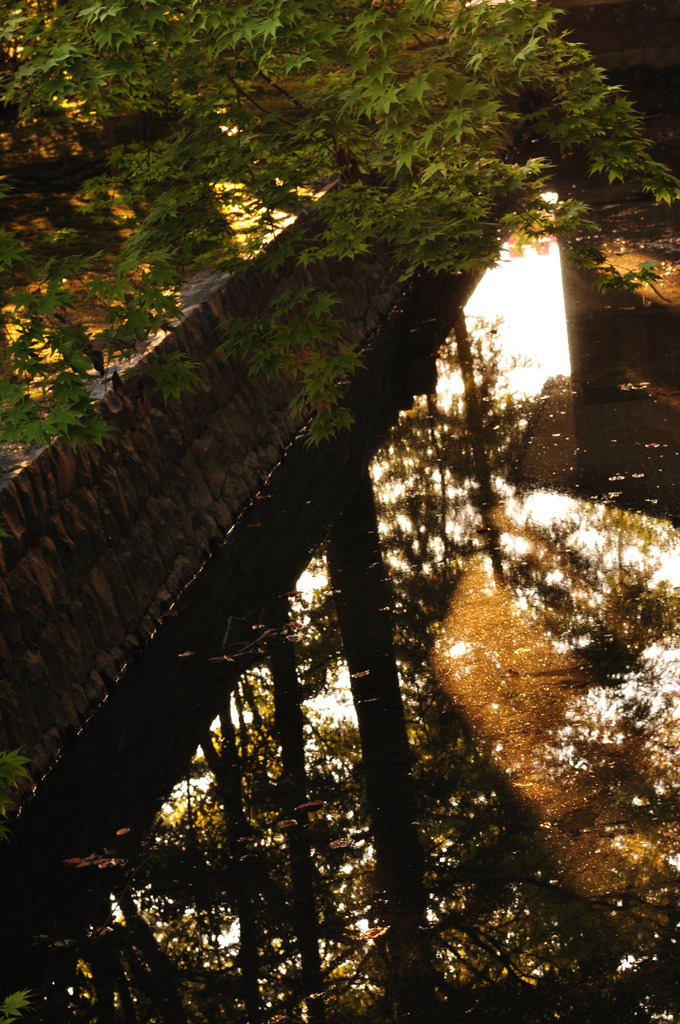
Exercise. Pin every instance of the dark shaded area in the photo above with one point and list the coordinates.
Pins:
(364, 604)
(131, 753)
(225, 765)
(289, 727)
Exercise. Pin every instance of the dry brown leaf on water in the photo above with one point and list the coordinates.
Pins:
(311, 805)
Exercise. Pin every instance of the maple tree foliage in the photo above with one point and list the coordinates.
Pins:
(436, 120)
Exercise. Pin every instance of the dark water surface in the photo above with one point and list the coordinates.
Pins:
(442, 778)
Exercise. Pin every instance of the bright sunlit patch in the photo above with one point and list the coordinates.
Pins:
(310, 582)
(526, 291)
(548, 506)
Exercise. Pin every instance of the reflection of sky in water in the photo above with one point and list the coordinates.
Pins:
(527, 293)
(646, 540)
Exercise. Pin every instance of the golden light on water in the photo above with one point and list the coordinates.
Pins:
(513, 688)
(584, 772)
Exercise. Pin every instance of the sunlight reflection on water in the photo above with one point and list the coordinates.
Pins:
(526, 291)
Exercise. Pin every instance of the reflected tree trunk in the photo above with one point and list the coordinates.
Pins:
(225, 766)
(160, 985)
(103, 979)
(364, 610)
(107, 971)
(126, 1000)
(290, 733)
(443, 484)
(474, 416)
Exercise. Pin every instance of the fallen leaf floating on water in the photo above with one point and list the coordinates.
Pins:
(311, 805)
(94, 860)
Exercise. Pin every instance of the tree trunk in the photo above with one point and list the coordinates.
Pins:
(364, 611)
(161, 983)
(487, 499)
(290, 733)
(226, 768)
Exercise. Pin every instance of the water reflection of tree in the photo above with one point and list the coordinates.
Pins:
(622, 602)
(264, 906)
(364, 606)
(595, 577)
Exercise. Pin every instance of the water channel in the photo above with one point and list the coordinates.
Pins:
(433, 774)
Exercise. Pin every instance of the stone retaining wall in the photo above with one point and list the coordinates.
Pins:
(100, 541)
